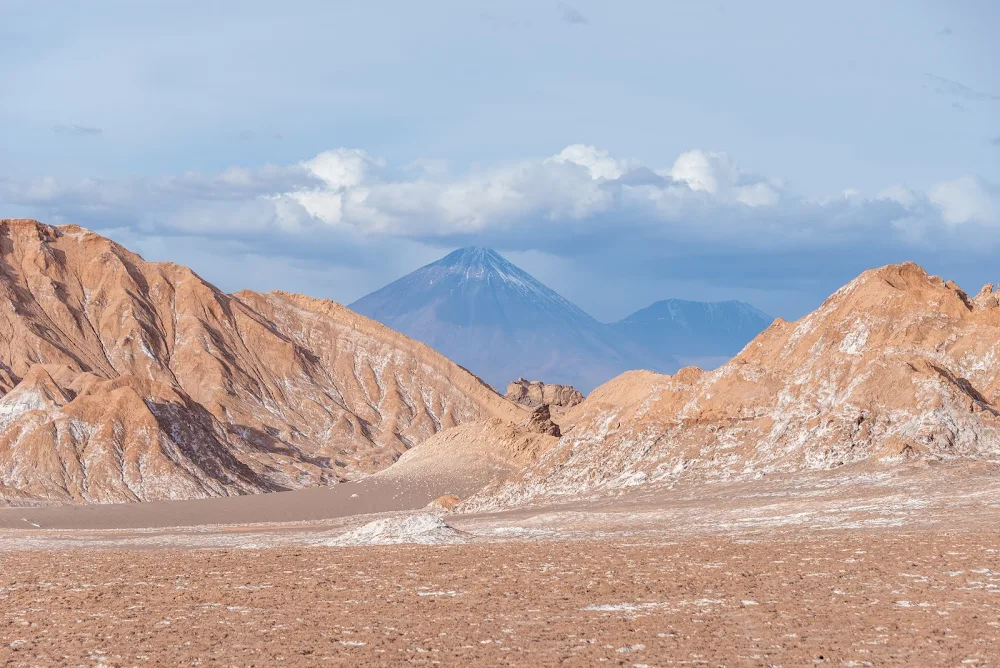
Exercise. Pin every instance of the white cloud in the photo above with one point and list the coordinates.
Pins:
(343, 168)
(597, 162)
(899, 194)
(704, 171)
(578, 195)
(718, 175)
(965, 199)
(759, 194)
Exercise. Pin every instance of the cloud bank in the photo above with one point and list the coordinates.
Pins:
(701, 217)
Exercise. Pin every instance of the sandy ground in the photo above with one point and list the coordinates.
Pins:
(371, 495)
(848, 569)
(845, 599)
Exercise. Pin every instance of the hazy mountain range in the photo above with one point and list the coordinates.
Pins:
(482, 311)
(688, 333)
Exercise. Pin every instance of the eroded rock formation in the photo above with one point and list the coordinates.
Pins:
(535, 393)
(126, 380)
(895, 366)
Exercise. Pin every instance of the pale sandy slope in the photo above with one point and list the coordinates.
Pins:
(459, 461)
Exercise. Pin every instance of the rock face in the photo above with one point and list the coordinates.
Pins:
(540, 422)
(896, 365)
(534, 393)
(125, 380)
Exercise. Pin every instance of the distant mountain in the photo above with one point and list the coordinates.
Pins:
(677, 332)
(477, 308)
(490, 316)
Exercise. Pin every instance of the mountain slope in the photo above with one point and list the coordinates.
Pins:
(677, 332)
(896, 365)
(126, 380)
(488, 315)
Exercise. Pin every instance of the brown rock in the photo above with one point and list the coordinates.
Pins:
(446, 502)
(895, 365)
(987, 298)
(534, 393)
(126, 380)
(540, 422)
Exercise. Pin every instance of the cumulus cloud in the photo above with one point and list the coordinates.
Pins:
(717, 174)
(964, 200)
(597, 162)
(899, 194)
(581, 191)
(702, 216)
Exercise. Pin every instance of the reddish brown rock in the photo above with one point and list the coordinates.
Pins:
(987, 297)
(540, 422)
(446, 503)
(126, 380)
(534, 393)
(896, 366)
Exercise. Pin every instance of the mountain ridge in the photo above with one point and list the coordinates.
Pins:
(481, 310)
(126, 380)
(896, 366)
(692, 333)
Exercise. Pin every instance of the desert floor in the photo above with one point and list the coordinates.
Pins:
(851, 569)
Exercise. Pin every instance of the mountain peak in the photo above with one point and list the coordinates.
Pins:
(704, 333)
(480, 262)
(472, 254)
(490, 315)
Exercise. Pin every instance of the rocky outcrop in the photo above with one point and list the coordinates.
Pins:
(540, 422)
(987, 298)
(126, 380)
(534, 393)
(895, 366)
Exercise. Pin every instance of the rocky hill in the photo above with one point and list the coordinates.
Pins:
(125, 380)
(534, 393)
(895, 366)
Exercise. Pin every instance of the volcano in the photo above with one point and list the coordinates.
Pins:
(479, 309)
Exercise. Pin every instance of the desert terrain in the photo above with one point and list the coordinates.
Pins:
(193, 477)
(848, 568)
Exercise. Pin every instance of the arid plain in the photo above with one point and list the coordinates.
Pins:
(193, 477)
(844, 570)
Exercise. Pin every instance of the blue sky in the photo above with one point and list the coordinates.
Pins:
(623, 152)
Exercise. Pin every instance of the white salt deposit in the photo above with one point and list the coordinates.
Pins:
(418, 529)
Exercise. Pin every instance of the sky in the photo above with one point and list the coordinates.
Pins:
(622, 152)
